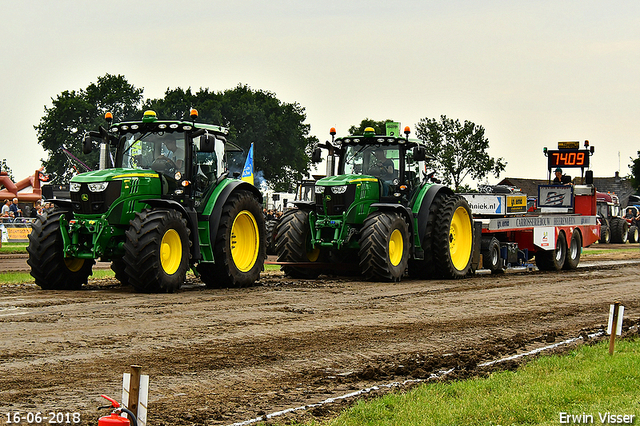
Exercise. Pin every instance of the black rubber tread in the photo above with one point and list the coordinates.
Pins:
(46, 256)
(573, 252)
(425, 269)
(605, 234)
(270, 233)
(547, 260)
(142, 251)
(224, 273)
(375, 263)
(292, 237)
(118, 267)
(634, 234)
(619, 230)
(444, 267)
(490, 250)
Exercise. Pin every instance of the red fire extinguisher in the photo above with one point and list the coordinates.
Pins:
(115, 419)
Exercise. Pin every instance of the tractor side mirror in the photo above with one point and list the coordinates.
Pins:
(207, 143)
(419, 153)
(87, 144)
(316, 155)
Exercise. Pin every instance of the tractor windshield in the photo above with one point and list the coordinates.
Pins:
(376, 160)
(163, 152)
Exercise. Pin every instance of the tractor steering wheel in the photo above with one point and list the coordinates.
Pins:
(164, 164)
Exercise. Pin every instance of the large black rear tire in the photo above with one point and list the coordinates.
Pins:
(157, 251)
(634, 234)
(619, 230)
(453, 238)
(240, 246)
(384, 247)
(270, 229)
(292, 244)
(425, 269)
(50, 269)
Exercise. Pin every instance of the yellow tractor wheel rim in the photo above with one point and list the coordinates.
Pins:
(313, 255)
(73, 264)
(396, 247)
(170, 252)
(245, 241)
(460, 238)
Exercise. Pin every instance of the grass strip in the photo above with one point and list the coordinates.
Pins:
(586, 383)
(13, 248)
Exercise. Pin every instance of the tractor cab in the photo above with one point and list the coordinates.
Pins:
(393, 163)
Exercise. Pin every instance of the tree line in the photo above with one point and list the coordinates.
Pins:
(282, 143)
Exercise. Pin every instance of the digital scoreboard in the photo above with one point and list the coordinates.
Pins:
(568, 158)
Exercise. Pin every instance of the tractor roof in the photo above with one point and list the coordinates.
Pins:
(150, 123)
(378, 140)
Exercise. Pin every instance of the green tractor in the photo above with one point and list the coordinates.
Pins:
(381, 214)
(162, 202)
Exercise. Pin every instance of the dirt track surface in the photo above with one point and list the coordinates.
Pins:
(224, 356)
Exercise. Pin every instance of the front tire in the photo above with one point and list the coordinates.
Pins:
(157, 251)
(240, 246)
(292, 244)
(453, 238)
(50, 269)
(384, 247)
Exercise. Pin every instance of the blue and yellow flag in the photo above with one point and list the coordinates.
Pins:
(247, 172)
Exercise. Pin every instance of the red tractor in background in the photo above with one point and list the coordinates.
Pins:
(614, 227)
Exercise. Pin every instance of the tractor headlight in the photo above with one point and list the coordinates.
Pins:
(319, 189)
(74, 187)
(339, 189)
(98, 187)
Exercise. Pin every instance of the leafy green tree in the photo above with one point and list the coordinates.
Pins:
(635, 172)
(75, 112)
(5, 168)
(282, 144)
(458, 150)
(379, 126)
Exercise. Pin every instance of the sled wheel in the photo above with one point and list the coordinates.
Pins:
(293, 236)
(453, 238)
(157, 251)
(491, 259)
(553, 260)
(50, 269)
(240, 246)
(384, 247)
(574, 251)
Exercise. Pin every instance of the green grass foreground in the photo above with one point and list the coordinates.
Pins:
(13, 248)
(586, 381)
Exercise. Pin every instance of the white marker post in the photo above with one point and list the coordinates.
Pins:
(135, 393)
(615, 324)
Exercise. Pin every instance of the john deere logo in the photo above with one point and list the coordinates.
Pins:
(328, 198)
(85, 197)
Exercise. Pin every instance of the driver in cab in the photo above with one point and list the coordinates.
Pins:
(172, 156)
(383, 169)
(561, 179)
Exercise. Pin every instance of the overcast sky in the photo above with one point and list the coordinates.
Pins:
(532, 73)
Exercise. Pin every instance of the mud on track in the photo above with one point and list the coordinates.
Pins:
(221, 356)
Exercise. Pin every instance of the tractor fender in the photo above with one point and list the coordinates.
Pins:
(425, 206)
(305, 205)
(216, 214)
(190, 215)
